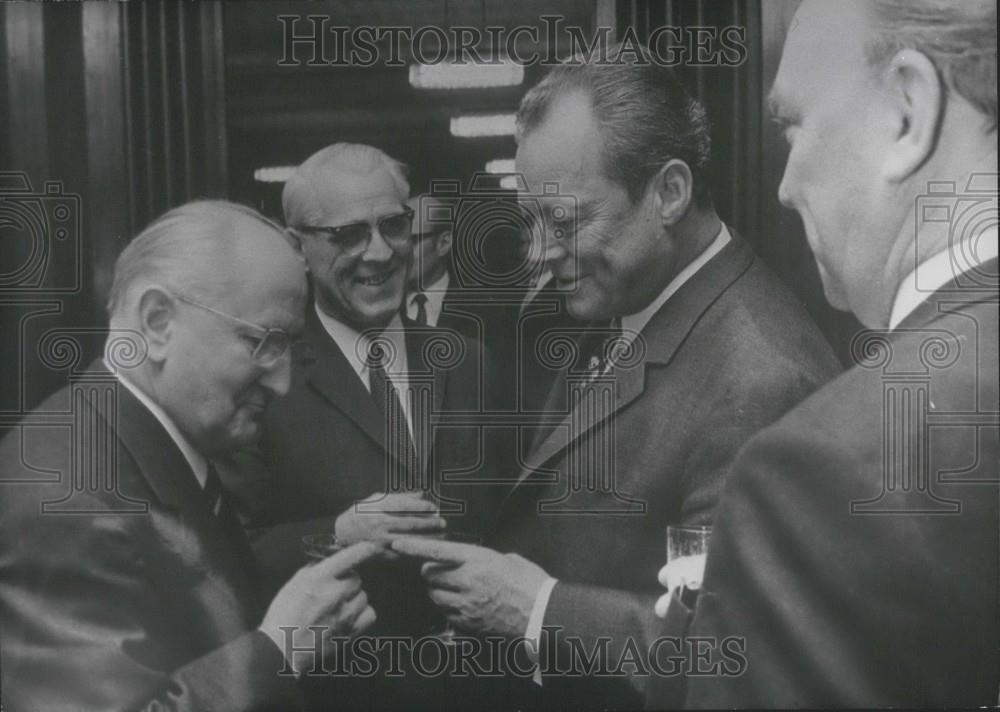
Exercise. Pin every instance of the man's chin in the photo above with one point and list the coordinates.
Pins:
(247, 431)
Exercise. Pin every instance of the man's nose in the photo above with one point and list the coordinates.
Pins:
(784, 191)
(378, 249)
(277, 377)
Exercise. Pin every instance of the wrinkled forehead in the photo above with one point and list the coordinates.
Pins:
(345, 196)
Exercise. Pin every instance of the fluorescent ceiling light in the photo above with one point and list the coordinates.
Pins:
(500, 165)
(273, 174)
(467, 75)
(483, 125)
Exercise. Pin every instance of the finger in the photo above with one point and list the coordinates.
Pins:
(342, 564)
(351, 608)
(662, 603)
(411, 503)
(445, 600)
(340, 589)
(401, 503)
(365, 620)
(436, 549)
(437, 575)
(413, 523)
(662, 577)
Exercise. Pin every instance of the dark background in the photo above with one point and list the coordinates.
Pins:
(128, 109)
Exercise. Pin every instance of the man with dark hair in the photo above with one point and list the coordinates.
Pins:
(126, 583)
(855, 558)
(697, 347)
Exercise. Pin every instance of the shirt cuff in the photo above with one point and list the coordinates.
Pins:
(533, 634)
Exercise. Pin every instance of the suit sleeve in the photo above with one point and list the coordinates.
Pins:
(625, 619)
(835, 608)
(81, 630)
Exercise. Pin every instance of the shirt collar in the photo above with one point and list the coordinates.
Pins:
(941, 268)
(634, 323)
(541, 283)
(354, 344)
(195, 460)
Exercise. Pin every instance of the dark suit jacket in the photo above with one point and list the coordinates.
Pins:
(726, 355)
(324, 443)
(108, 611)
(856, 551)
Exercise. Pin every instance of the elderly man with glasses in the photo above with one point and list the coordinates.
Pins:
(127, 582)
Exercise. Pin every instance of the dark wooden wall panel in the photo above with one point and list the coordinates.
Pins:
(119, 107)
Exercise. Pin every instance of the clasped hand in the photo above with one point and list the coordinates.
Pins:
(479, 589)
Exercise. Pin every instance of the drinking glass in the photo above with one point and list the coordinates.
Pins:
(687, 549)
(320, 546)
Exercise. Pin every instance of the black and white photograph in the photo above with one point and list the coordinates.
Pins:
(570, 355)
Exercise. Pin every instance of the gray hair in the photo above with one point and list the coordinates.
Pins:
(298, 199)
(180, 248)
(959, 38)
(645, 114)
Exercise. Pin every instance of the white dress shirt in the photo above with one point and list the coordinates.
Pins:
(632, 325)
(934, 273)
(195, 460)
(354, 345)
(435, 294)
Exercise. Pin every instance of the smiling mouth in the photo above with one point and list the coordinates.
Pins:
(376, 280)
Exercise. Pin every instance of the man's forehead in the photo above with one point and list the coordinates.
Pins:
(346, 196)
(565, 148)
(824, 36)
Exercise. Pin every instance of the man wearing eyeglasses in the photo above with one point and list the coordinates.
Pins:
(431, 286)
(127, 582)
(352, 448)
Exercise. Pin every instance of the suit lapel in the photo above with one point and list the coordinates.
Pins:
(662, 336)
(418, 340)
(328, 371)
(588, 408)
(168, 475)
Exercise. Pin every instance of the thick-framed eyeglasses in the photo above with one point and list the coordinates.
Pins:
(417, 237)
(266, 349)
(394, 229)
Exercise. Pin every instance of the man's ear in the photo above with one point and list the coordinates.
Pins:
(444, 243)
(157, 319)
(674, 187)
(299, 238)
(916, 98)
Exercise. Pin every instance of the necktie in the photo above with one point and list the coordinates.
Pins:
(213, 490)
(420, 300)
(599, 348)
(229, 521)
(397, 432)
